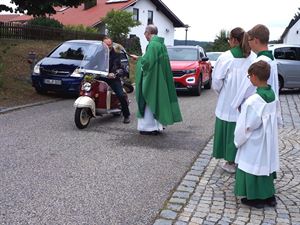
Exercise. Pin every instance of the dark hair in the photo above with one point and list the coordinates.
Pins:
(261, 32)
(261, 69)
(241, 36)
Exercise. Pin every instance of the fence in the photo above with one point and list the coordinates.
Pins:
(22, 31)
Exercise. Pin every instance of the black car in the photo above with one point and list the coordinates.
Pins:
(57, 71)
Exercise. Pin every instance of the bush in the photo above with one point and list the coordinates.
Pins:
(81, 28)
(132, 45)
(45, 22)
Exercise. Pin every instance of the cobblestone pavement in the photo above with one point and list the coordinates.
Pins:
(205, 194)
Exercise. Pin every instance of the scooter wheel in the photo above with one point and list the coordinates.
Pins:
(82, 117)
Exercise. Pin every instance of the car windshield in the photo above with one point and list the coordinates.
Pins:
(76, 51)
(213, 56)
(182, 54)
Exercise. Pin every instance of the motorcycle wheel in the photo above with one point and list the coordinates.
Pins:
(82, 117)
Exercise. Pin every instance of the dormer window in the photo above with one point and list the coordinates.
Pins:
(89, 4)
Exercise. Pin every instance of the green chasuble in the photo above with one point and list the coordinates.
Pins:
(154, 84)
(223, 146)
(252, 186)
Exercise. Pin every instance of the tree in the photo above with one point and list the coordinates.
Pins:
(39, 7)
(220, 44)
(118, 24)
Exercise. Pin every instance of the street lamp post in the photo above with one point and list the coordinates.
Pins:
(186, 30)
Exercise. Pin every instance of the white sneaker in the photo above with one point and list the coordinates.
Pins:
(230, 168)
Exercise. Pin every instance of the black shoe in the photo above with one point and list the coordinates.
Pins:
(271, 201)
(155, 132)
(257, 203)
(126, 120)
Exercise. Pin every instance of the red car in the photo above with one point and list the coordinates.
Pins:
(191, 68)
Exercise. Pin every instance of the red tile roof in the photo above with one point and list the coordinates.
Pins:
(93, 15)
(8, 17)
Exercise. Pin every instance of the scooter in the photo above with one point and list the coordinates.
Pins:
(96, 98)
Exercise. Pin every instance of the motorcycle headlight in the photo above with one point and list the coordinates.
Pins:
(190, 71)
(76, 73)
(36, 69)
(86, 86)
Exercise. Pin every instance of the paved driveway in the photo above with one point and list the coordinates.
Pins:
(53, 173)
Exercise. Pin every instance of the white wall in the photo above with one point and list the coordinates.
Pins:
(164, 25)
(293, 35)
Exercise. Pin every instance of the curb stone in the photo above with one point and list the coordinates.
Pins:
(9, 109)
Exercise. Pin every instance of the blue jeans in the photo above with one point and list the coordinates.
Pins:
(116, 85)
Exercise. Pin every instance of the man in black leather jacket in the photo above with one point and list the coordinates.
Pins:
(114, 81)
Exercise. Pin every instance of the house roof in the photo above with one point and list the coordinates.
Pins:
(291, 24)
(93, 15)
(8, 17)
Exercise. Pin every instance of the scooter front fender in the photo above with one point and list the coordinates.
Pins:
(85, 102)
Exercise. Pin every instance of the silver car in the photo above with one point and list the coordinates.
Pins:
(288, 64)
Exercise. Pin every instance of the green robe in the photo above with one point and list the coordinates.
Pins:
(252, 186)
(223, 146)
(154, 84)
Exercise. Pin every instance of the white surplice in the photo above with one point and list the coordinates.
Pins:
(148, 123)
(246, 89)
(256, 137)
(227, 77)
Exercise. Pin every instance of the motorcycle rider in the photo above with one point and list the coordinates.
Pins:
(113, 80)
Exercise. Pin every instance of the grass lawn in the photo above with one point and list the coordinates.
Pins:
(15, 85)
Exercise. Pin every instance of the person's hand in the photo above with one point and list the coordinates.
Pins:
(111, 76)
(135, 57)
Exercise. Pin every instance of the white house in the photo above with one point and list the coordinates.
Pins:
(157, 13)
(291, 34)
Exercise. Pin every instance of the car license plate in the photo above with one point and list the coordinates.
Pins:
(50, 81)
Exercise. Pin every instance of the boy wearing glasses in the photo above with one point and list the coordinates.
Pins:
(258, 41)
(256, 137)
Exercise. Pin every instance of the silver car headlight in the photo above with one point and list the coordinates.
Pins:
(36, 69)
(86, 87)
(76, 73)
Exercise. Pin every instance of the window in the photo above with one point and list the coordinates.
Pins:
(289, 53)
(182, 54)
(75, 51)
(150, 17)
(135, 14)
(201, 54)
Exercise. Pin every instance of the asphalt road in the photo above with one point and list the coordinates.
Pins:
(53, 173)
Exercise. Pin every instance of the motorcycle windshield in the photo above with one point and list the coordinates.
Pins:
(96, 61)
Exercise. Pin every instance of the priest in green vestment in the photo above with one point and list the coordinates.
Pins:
(155, 90)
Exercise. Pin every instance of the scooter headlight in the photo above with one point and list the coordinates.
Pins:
(86, 86)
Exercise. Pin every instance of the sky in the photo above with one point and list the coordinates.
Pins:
(207, 18)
